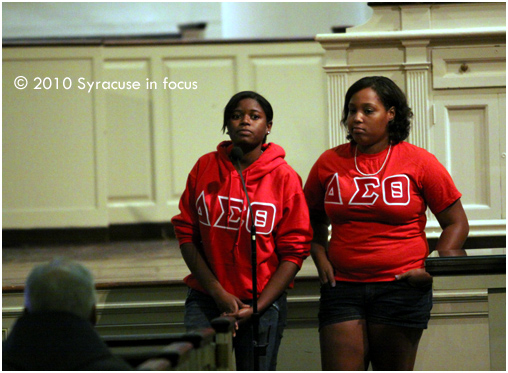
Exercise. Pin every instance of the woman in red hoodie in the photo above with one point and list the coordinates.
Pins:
(213, 229)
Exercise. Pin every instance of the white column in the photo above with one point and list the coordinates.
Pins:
(337, 87)
(337, 76)
(417, 69)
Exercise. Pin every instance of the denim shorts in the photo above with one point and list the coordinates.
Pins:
(392, 303)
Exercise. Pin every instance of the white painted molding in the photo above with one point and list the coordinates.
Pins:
(387, 36)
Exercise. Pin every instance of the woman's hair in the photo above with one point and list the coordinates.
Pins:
(61, 286)
(391, 96)
(233, 103)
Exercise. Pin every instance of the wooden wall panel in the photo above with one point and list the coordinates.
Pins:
(52, 142)
(129, 130)
(473, 161)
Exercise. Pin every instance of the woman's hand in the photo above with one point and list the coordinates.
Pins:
(242, 315)
(323, 266)
(416, 277)
(318, 251)
(227, 303)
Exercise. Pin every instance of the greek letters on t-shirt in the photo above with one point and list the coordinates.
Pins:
(394, 189)
(231, 211)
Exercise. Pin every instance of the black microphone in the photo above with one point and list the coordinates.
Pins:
(236, 154)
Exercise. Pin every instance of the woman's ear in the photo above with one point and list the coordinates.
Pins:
(391, 114)
(269, 127)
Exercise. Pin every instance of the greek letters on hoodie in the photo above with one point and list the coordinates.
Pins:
(214, 216)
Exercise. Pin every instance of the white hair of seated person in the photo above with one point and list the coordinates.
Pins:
(61, 286)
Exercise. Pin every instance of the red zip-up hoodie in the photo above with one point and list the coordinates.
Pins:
(214, 216)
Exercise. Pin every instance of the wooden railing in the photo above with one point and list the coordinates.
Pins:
(205, 349)
(224, 327)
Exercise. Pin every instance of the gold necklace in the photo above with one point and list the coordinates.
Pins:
(356, 165)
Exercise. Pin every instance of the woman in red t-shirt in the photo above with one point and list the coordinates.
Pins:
(376, 296)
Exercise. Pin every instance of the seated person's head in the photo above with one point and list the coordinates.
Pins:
(61, 286)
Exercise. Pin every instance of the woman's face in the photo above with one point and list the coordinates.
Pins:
(367, 121)
(247, 124)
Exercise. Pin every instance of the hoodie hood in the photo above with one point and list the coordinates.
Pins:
(271, 158)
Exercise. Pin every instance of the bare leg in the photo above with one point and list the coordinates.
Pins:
(344, 346)
(393, 347)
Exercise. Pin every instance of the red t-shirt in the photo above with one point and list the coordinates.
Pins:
(378, 221)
